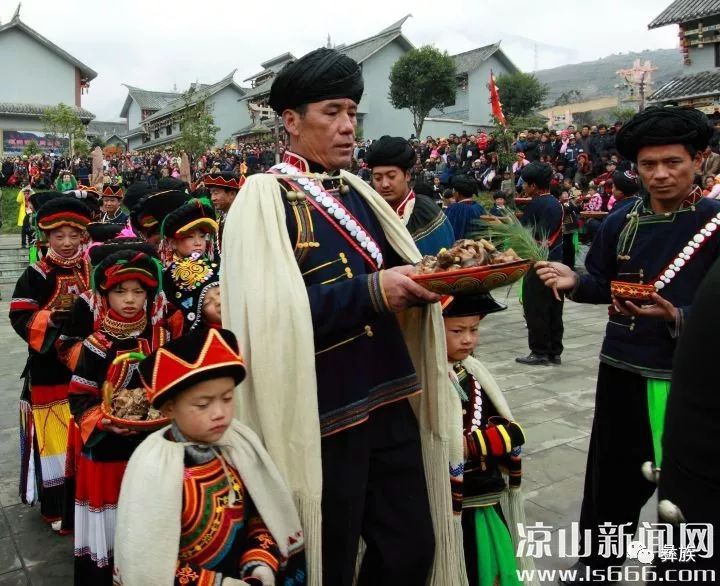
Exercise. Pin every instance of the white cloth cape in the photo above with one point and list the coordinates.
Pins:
(265, 304)
(147, 536)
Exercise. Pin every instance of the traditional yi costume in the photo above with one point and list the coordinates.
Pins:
(220, 511)
(49, 284)
(119, 217)
(490, 506)
(228, 182)
(428, 225)
(303, 255)
(672, 252)
(109, 356)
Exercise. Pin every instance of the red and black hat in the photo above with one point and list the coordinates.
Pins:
(98, 254)
(223, 180)
(196, 214)
(125, 265)
(159, 205)
(100, 232)
(60, 211)
(113, 191)
(198, 356)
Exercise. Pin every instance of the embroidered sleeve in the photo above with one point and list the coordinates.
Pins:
(84, 392)
(262, 549)
(26, 316)
(187, 574)
(78, 327)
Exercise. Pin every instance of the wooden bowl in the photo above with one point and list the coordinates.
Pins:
(473, 279)
(594, 215)
(144, 425)
(632, 291)
(521, 201)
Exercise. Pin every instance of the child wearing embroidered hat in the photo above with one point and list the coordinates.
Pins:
(205, 461)
(128, 280)
(489, 507)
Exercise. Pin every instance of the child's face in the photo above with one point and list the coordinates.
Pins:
(112, 204)
(127, 298)
(204, 411)
(211, 307)
(500, 202)
(195, 242)
(461, 335)
(65, 241)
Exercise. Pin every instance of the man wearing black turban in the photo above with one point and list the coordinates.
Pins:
(666, 242)
(391, 159)
(465, 209)
(354, 282)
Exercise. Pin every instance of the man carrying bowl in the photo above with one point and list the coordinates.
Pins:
(340, 341)
(647, 263)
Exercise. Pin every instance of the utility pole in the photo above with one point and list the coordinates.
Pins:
(637, 79)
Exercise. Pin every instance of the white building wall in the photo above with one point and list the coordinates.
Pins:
(479, 96)
(134, 116)
(380, 117)
(34, 74)
(227, 113)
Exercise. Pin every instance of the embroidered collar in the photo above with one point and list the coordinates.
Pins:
(74, 262)
(406, 205)
(693, 197)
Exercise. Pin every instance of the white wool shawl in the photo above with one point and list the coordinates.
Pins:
(265, 304)
(147, 536)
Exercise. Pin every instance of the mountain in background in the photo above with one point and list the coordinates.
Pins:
(594, 79)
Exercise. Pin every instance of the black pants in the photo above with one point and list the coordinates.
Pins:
(26, 231)
(374, 487)
(568, 250)
(543, 314)
(621, 440)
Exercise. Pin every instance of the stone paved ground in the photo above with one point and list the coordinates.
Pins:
(554, 404)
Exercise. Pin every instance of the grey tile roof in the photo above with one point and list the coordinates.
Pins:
(252, 129)
(106, 129)
(203, 92)
(16, 23)
(133, 132)
(456, 115)
(20, 109)
(359, 51)
(685, 11)
(147, 99)
(698, 84)
(471, 60)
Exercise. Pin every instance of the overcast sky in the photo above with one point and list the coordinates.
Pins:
(162, 45)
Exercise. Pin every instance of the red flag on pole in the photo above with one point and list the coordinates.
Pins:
(495, 100)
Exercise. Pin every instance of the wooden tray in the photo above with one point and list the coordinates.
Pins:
(632, 291)
(144, 425)
(474, 279)
(594, 215)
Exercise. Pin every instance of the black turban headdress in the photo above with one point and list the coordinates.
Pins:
(464, 185)
(323, 74)
(626, 181)
(663, 125)
(537, 173)
(392, 151)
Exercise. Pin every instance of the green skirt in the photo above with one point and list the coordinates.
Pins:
(489, 550)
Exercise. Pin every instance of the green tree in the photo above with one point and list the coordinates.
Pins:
(82, 147)
(197, 125)
(422, 79)
(31, 148)
(520, 93)
(568, 97)
(62, 121)
(622, 114)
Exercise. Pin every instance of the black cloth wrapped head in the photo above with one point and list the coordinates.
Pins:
(195, 214)
(322, 74)
(464, 185)
(469, 305)
(201, 355)
(99, 253)
(537, 173)
(391, 151)
(125, 265)
(171, 183)
(62, 211)
(40, 198)
(626, 181)
(135, 193)
(157, 206)
(663, 125)
(100, 232)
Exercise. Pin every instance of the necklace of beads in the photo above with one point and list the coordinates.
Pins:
(329, 206)
(122, 329)
(693, 245)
